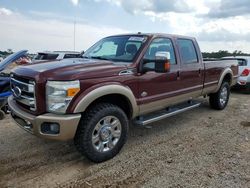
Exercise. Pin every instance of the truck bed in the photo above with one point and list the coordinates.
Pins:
(213, 72)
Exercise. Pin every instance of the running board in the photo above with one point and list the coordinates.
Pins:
(150, 118)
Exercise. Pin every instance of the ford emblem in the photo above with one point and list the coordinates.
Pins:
(17, 92)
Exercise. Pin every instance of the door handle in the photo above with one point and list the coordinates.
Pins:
(199, 72)
(178, 75)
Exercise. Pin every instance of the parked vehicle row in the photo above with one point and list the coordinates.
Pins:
(5, 67)
(54, 55)
(244, 72)
(138, 78)
(22, 58)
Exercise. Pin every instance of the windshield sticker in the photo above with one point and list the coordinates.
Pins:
(139, 39)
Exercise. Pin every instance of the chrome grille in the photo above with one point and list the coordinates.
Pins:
(24, 92)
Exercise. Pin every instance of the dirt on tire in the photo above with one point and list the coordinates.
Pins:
(198, 148)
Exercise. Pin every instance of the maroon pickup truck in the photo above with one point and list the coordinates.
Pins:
(137, 78)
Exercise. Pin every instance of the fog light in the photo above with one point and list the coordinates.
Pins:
(50, 128)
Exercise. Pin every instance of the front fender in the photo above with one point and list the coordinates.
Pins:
(106, 90)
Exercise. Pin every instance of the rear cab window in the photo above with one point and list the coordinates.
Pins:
(67, 56)
(46, 56)
(242, 62)
(187, 51)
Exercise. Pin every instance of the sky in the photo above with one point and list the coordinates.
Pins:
(49, 24)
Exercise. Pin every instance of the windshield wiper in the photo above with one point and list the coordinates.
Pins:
(98, 57)
(87, 57)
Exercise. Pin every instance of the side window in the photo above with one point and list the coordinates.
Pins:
(159, 45)
(187, 51)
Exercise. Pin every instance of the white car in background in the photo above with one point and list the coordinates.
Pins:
(244, 72)
(54, 55)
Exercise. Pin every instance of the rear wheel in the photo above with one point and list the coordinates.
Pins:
(220, 99)
(102, 132)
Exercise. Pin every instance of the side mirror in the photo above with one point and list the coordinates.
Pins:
(162, 63)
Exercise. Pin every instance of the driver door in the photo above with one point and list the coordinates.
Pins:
(156, 90)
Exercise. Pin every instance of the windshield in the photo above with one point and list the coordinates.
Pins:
(118, 48)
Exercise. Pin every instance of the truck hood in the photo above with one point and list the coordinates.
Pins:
(70, 69)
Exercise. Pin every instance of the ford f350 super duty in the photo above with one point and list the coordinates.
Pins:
(137, 78)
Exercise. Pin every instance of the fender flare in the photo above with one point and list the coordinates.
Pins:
(224, 73)
(106, 90)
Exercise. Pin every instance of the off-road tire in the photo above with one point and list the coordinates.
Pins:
(83, 137)
(214, 98)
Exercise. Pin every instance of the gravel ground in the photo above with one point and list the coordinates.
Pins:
(199, 148)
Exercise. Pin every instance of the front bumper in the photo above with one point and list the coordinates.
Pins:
(67, 123)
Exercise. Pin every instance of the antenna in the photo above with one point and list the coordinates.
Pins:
(74, 33)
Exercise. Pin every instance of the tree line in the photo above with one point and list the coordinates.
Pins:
(223, 53)
(219, 54)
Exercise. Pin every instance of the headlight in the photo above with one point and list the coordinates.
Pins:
(59, 94)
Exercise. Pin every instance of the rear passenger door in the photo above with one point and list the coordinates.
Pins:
(191, 70)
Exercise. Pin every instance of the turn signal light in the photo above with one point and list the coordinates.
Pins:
(246, 72)
(72, 92)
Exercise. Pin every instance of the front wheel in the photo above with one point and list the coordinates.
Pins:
(220, 99)
(102, 132)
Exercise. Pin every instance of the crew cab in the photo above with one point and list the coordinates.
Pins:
(138, 78)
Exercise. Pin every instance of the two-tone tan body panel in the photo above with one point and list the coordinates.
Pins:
(107, 90)
(32, 124)
(215, 74)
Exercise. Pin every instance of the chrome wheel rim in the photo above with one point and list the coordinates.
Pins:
(106, 134)
(223, 96)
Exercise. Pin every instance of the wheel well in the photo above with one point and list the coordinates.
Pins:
(116, 99)
(228, 78)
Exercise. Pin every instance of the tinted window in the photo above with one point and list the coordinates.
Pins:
(45, 56)
(71, 56)
(242, 62)
(159, 45)
(187, 51)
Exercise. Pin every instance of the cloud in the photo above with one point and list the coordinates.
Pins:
(222, 35)
(21, 32)
(75, 2)
(5, 11)
(230, 8)
(56, 16)
(206, 20)
(158, 6)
